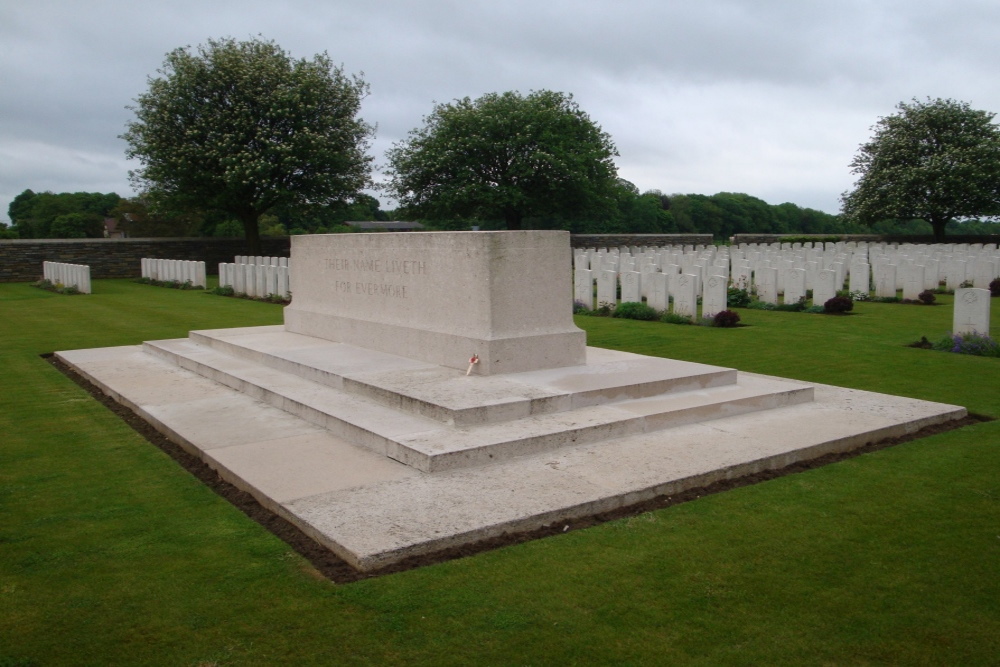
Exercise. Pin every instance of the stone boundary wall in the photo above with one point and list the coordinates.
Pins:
(21, 260)
(870, 238)
(616, 240)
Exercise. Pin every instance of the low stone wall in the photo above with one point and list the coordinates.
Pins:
(21, 260)
(870, 238)
(617, 240)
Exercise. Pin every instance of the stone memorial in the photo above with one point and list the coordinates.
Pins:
(441, 297)
(386, 418)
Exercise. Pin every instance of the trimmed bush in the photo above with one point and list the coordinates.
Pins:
(838, 305)
(725, 319)
(995, 287)
(927, 297)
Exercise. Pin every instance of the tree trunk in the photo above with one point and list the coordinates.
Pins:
(251, 230)
(939, 224)
(513, 219)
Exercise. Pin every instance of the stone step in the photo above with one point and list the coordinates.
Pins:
(450, 396)
(429, 446)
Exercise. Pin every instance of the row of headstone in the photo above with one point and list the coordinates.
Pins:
(972, 311)
(659, 290)
(780, 269)
(174, 270)
(265, 261)
(68, 275)
(256, 280)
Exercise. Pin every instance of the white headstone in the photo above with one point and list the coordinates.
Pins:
(826, 287)
(631, 286)
(583, 287)
(657, 298)
(713, 298)
(972, 311)
(607, 288)
(684, 289)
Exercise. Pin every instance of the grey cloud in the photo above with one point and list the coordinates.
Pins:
(768, 97)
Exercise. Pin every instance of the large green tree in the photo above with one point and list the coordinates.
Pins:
(936, 160)
(242, 128)
(505, 156)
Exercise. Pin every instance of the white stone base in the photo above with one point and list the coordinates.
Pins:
(380, 458)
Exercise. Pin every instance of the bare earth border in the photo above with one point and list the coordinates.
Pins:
(337, 570)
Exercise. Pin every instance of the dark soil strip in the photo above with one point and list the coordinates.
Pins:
(339, 571)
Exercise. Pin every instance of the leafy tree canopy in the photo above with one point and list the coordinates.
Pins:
(242, 128)
(936, 161)
(63, 215)
(505, 156)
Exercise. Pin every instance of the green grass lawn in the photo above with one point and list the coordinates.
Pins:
(110, 553)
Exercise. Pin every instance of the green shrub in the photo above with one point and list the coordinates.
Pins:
(674, 318)
(794, 307)
(633, 310)
(970, 343)
(737, 297)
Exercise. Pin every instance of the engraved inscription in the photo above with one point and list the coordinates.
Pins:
(350, 284)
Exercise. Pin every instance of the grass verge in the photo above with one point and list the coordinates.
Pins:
(112, 554)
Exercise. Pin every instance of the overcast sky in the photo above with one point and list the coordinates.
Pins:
(767, 97)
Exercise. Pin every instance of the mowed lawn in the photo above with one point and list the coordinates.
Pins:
(110, 553)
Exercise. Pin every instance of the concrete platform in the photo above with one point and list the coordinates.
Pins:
(380, 458)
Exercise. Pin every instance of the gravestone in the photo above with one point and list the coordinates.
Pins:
(685, 293)
(607, 288)
(767, 285)
(859, 278)
(657, 298)
(583, 287)
(913, 282)
(826, 287)
(972, 311)
(885, 281)
(441, 297)
(714, 296)
(795, 285)
(631, 286)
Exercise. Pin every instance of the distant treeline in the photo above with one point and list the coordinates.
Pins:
(68, 215)
(82, 215)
